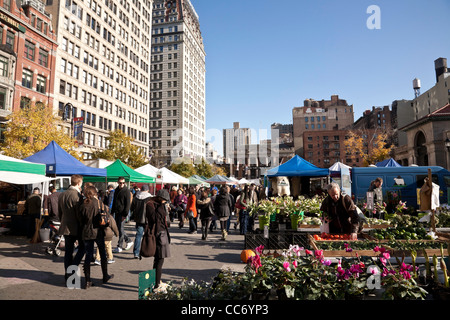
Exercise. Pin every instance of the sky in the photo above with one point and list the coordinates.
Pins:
(265, 57)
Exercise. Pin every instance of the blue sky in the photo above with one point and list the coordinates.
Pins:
(264, 57)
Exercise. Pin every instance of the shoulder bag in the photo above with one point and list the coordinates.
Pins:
(148, 244)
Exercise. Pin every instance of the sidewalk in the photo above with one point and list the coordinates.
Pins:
(28, 273)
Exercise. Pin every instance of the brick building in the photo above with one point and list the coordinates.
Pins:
(27, 54)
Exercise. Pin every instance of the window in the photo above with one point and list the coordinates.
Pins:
(41, 84)
(2, 98)
(27, 78)
(29, 50)
(10, 37)
(3, 66)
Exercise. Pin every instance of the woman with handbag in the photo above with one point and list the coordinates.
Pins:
(205, 206)
(93, 221)
(156, 212)
(191, 210)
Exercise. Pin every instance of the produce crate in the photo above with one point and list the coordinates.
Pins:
(376, 226)
(342, 253)
(309, 226)
(276, 240)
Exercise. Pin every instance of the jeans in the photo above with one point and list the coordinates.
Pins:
(193, 224)
(122, 235)
(69, 259)
(243, 221)
(137, 240)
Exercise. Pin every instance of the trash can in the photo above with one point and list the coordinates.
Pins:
(44, 234)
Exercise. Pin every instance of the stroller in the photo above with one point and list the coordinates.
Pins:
(55, 239)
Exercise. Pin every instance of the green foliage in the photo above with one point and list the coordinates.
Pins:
(31, 129)
(121, 147)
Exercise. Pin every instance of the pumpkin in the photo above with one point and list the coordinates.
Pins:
(246, 254)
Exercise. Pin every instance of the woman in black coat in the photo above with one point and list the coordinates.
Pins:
(222, 208)
(156, 212)
(92, 232)
(205, 205)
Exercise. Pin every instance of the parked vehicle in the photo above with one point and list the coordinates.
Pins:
(405, 181)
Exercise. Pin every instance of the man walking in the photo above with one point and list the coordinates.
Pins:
(138, 209)
(120, 208)
(68, 206)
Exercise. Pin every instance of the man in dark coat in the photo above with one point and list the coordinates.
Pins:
(120, 209)
(340, 212)
(68, 208)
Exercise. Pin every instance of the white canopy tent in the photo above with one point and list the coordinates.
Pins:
(163, 175)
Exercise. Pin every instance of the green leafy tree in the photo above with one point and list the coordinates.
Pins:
(31, 129)
(121, 147)
(203, 168)
(183, 166)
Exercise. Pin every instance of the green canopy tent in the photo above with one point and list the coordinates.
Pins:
(195, 181)
(119, 169)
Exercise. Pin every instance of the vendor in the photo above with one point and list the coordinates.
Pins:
(340, 212)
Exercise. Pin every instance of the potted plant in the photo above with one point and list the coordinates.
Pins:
(265, 209)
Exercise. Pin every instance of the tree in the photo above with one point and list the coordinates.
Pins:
(184, 169)
(371, 146)
(203, 168)
(121, 147)
(31, 129)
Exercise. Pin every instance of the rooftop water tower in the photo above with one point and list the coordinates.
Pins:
(416, 86)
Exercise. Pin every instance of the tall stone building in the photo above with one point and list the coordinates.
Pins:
(177, 108)
(103, 69)
(27, 57)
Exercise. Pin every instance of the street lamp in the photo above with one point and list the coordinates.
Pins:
(447, 144)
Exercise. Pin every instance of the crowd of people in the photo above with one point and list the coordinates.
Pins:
(91, 218)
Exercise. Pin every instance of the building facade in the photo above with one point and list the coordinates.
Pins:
(27, 57)
(234, 141)
(103, 69)
(423, 123)
(178, 119)
(334, 114)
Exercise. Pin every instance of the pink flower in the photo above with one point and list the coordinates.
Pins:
(376, 249)
(295, 264)
(260, 249)
(318, 254)
(383, 261)
(326, 262)
(308, 252)
(386, 255)
(286, 266)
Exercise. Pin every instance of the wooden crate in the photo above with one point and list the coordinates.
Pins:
(343, 253)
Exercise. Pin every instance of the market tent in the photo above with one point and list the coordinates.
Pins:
(244, 181)
(148, 170)
(195, 181)
(163, 175)
(336, 168)
(18, 171)
(388, 163)
(201, 178)
(298, 167)
(173, 177)
(61, 163)
(218, 179)
(119, 169)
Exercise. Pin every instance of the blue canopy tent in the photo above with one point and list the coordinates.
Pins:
(298, 167)
(58, 162)
(388, 163)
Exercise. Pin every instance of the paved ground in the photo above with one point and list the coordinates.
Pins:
(28, 273)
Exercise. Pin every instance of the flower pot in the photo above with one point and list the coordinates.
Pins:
(263, 221)
(295, 219)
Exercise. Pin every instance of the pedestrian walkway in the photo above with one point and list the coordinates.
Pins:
(28, 273)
